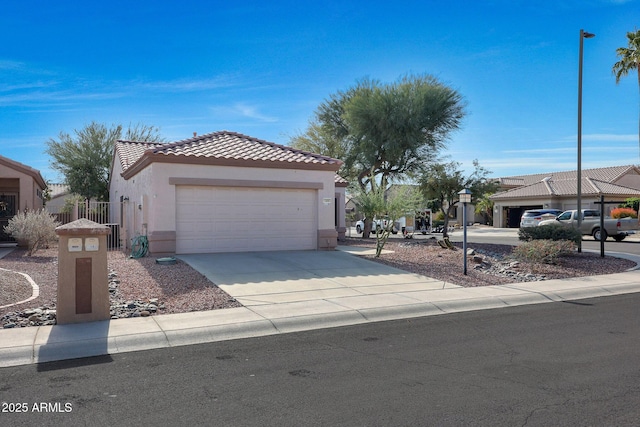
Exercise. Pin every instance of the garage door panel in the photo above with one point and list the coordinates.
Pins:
(216, 219)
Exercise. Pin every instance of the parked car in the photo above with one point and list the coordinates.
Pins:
(378, 223)
(618, 228)
(532, 218)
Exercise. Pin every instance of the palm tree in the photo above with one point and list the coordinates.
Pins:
(484, 207)
(629, 60)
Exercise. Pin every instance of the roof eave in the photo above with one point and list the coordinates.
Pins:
(150, 157)
(27, 170)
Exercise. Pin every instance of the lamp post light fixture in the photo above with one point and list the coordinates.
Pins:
(583, 35)
(465, 197)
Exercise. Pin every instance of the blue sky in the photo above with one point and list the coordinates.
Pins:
(261, 68)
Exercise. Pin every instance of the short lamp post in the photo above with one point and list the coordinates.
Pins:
(465, 197)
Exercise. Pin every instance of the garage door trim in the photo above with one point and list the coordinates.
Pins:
(247, 183)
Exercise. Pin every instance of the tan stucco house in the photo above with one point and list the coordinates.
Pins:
(21, 188)
(558, 190)
(58, 195)
(226, 192)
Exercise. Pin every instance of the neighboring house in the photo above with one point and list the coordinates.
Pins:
(60, 203)
(21, 188)
(558, 190)
(226, 192)
(350, 207)
(58, 194)
(458, 213)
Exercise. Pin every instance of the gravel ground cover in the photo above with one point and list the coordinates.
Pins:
(426, 257)
(13, 287)
(178, 288)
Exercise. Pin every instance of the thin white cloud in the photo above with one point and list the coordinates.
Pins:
(7, 64)
(188, 85)
(609, 137)
(527, 163)
(569, 150)
(23, 85)
(603, 137)
(66, 90)
(5, 87)
(527, 166)
(41, 98)
(242, 110)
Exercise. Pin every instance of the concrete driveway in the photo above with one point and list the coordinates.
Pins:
(260, 278)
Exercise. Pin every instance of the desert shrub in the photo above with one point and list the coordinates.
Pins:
(545, 251)
(632, 202)
(35, 228)
(553, 232)
(623, 213)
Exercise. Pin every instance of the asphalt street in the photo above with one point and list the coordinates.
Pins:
(564, 363)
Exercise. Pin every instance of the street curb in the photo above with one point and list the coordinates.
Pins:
(71, 345)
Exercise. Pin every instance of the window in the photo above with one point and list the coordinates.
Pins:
(565, 216)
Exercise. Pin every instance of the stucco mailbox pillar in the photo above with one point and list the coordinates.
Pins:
(83, 289)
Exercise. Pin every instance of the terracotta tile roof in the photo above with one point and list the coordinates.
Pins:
(511, 182)
(608, 174)
(549, 187)
(222, 148)
(340, 181)
(129, 151)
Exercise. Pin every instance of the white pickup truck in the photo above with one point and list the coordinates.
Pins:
(379, 224)
(590, 224)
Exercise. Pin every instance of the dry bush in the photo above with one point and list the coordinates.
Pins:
(36, 229)
(544, 251)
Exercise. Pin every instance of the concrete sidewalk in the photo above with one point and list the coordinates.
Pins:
(294, 291)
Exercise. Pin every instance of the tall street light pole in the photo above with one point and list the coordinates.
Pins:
(583, 35)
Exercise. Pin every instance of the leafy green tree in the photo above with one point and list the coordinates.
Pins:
(629, 60)
(484, 207)
(84, 158)
(374, 204)
(631, 202)
(384, 132)
(370, 204)
(442, 182)
(317, 140)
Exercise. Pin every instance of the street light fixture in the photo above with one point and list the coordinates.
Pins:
(583, 35)
(465, 197)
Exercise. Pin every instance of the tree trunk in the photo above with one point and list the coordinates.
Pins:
(445, 227)
(366, 232)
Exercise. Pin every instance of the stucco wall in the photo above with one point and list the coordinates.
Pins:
(29, 192)
(163, 195)
(152, 197)
(135, 205)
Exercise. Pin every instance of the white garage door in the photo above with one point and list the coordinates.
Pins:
(232, 219)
